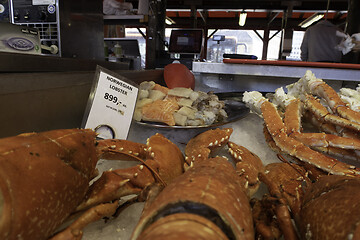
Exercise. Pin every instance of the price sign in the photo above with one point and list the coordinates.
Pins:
(111, 105)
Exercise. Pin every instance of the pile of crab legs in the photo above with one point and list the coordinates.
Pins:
(321, 191)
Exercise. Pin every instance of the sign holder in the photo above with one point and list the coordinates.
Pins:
(111, 105)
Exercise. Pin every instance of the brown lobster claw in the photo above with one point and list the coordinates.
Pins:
(45, 177)
(210, 191)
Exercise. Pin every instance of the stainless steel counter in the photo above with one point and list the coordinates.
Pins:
(276, 71)
(245, 77)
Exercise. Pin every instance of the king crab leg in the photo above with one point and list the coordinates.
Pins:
(320, 112)
(347, 148)
(295, 148)
(330, 128)
(292, 117)
(322, 142)
(277, 129)
(321, 89)
(309, 84)
(292, 122)
(326, 140)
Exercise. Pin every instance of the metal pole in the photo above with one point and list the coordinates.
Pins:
(156, 32)
(265, 43)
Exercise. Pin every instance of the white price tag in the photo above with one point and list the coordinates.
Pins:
(111, 105)
(43, 2)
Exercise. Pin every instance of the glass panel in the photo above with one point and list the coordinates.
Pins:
(133, 33)
(296, 43)
(274, 45)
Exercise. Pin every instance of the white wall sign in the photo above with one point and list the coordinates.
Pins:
(111, 105)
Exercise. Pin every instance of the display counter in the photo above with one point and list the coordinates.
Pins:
(45, 101)
(247, 132)
(40, 101)
(266, 76)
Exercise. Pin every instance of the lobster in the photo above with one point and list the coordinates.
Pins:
(45, 178)
(210, 200)
(322, 206)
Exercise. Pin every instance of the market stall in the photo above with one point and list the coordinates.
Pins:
(247, 128)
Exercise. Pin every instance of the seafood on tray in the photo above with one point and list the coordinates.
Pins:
(211, 200)
(45, 178)
(178, 106)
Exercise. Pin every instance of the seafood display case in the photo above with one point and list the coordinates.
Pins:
(63, 98)
(57, 100)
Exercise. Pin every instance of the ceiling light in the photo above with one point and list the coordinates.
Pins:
(310, 20)
(242, 18)
(169, 21)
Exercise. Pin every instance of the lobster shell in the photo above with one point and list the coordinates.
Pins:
(331, 209)
(43, 177)
(183, 226)
(211, 185)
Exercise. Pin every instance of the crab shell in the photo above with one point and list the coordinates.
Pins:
(56, 166)
(209, 187)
